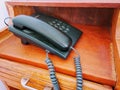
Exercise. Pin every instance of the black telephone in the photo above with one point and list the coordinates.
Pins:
(52, 34)
(46, 31)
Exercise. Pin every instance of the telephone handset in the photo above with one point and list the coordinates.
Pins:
(47, 32)
(57, 38)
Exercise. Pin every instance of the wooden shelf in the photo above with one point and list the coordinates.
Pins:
(67, 3)
(94, 47)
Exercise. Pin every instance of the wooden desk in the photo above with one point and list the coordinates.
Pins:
(93, 20)
(12, 72)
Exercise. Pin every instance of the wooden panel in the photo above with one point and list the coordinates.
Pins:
(4, 35)
(94, 48)
(116, 44)
(23, 10)
(10, 10)
(68, 3)
(12, 73)
(85, 16)
(89, 16)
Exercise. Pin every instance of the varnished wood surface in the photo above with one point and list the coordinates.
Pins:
(85, 16)
(4, 35)
(116, 44)
(12, 72)
(94, 48)
(68, 3)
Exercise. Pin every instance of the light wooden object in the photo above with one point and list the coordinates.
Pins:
(116, 44)
(12, 72)
(4, 34)
(68, 3)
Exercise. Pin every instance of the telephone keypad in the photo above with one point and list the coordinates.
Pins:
(60, 25)
(56, 23)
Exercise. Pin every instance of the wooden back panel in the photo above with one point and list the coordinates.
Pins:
(85, 16)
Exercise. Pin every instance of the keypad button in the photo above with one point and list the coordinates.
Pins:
(60, 28)
(56, 20)
(63, 27)
(53, 22)
(58, 24)
(67, 29)
(50, 23)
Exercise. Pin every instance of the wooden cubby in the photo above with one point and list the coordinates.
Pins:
(97, 46)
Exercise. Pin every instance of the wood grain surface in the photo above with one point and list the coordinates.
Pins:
(94, 48)
(116, 45)
(4, 34)
(68, 3)
(84, 16)
(12, 72)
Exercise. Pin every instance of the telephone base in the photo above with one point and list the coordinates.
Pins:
(31, 36)
(25, 42)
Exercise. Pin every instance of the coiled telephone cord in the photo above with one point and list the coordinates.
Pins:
(52, 72)
(78, 71)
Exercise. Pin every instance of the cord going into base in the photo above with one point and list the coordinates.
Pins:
(78, 70)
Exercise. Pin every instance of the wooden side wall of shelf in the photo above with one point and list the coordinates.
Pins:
(116, 44)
